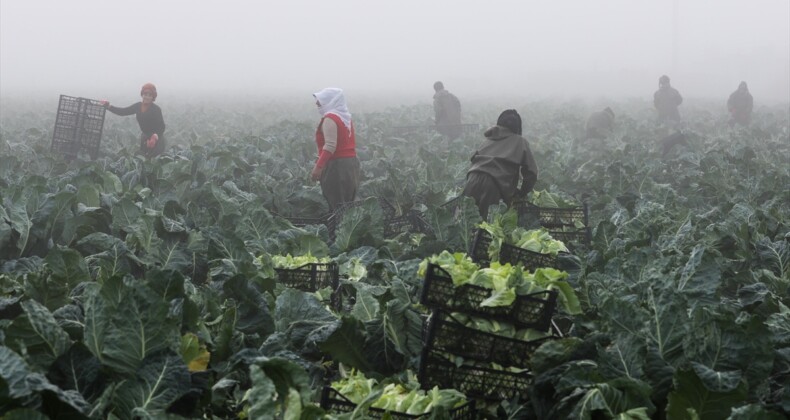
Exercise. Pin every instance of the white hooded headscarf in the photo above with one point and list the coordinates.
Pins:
(333, 101)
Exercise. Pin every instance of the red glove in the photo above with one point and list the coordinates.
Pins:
(105, 103)
(151, 143)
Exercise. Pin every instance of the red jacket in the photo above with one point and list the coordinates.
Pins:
(346, 141)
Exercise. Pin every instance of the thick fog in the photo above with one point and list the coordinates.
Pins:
(395, 49)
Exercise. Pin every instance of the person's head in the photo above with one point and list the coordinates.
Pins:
(438, 86)
(742, 87)
(148, 93)
(329, 99)
(609, 111)
(663, 81)
(510, 119)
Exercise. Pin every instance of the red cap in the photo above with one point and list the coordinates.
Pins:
(148, 87)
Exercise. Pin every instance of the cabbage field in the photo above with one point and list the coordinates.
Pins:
(134, 288)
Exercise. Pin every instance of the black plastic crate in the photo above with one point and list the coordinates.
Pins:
(446, 334)
(411, 222)
(530, 260)
(508, 253)
(310, 277)
(528, 311)
(334, 402)
(476, 382)
(550, 217)
(78, 127)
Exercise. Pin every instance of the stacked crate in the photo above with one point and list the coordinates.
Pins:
(530, 260)
(560, 222)
(447, 339)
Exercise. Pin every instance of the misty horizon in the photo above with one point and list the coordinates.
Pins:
(615, 49)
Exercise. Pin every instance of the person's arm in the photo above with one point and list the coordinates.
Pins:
(160, 122)
(329, 130)
(529, 172)
(129, 110)
(678, 98)
(438, 110)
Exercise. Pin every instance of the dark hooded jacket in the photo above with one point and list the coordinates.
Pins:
(666, 100)
(502, 156)
(740, 105)
(447, 110)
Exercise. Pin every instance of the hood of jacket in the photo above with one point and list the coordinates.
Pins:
(497, 133)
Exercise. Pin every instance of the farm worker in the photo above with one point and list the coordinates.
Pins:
(337, 167)
(149, 117)
(740, 105)
(666, 100)
(497, 163)
(447, 110)
(600, 124)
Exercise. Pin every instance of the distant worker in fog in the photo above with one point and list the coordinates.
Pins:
(149, 117)
(740, 105)
(600, 124)
(447, 109)
(666, 100)
(496, 165)
(337, 167)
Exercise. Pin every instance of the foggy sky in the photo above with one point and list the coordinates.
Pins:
(373, 48)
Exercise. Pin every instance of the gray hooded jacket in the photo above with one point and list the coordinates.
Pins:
(502, 156)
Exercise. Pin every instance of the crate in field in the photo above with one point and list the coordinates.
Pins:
(311, 277)
(474, 381)
(446, 334)
(78, 127)
(335, 403)
(550, 217)
(527, 311)
(411, 222)
(508, 253)
(530, 260)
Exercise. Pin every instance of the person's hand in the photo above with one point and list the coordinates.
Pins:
(315, 175)
(151, 143)
(105, 103)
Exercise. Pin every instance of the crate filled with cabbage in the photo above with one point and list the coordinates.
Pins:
(479, 380)
(476, 339)
(392, 399)
(484, 359)
(564, 217)
(503, 241)
(502, 292)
